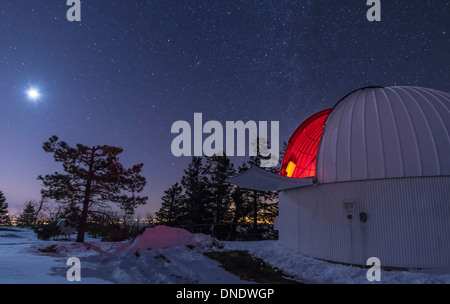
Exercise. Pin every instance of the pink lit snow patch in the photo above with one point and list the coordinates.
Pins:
(161, 237)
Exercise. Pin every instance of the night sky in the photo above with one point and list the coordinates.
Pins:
(130, 69)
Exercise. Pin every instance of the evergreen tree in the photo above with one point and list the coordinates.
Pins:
(128, 203)
(218, 169)
(4, 217)
(39, 208)
(264, 203)
(71, 213)
(28, 216)
(195, 185)
(242, 202)
(264, 206)
(280, 162)
(173, 205)
(93, 176)
(241, 198)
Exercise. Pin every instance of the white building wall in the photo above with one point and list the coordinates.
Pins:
(284, 222)
(408, 221)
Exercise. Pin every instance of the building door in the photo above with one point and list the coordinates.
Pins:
(356, 221)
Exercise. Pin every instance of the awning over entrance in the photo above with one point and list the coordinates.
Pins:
(259, 179)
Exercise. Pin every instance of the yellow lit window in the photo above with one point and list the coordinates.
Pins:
(290, 169)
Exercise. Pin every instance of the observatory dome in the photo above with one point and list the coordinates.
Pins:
(377, 133)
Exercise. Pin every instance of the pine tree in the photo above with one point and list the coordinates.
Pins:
(93, 177)
(172, 207)
(241, 198)
(71, 213)
(241, 201)
(280, 162)
(218, 169)
(28, 216)
(195, 185)
(264, 203)
(128, 203)
(4, 217)
(264, 206)
(39, 208)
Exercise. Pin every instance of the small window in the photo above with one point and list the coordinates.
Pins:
(290, 169)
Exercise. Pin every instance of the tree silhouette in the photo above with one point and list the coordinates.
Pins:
(93, 176)
(173, 205)
(195, 185)
(218, 169)
(28, 216)
(4, 217)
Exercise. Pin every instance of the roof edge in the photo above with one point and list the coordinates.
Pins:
(259, 179)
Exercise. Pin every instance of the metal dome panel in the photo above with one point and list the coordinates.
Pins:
(385, 133)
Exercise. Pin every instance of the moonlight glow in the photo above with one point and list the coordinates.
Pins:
(33, 94)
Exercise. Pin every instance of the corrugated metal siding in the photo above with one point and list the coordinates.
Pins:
(408, 221)
(286, 217)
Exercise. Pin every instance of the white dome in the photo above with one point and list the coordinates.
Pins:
(388, 132)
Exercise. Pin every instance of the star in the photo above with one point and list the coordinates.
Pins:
(33, 94)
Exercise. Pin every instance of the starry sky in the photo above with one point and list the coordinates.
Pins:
(130, 69)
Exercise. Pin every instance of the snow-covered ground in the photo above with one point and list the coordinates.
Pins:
(21, 261)
(163, 257)
(309, 270)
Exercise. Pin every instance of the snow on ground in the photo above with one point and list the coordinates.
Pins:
(169, 261)
(167, 255)
(21, 262)
(310, 270)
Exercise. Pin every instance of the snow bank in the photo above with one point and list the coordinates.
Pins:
(161, 237)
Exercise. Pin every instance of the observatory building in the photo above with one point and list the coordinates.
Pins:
(368, 178)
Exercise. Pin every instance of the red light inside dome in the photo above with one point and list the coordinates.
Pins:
(300, 157)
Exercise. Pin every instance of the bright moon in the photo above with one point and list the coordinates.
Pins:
(33, 94)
